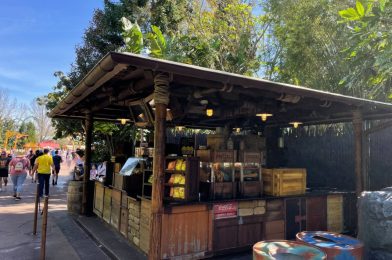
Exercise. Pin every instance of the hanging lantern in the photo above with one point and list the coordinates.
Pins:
(295, 124)
(264, 116)
(123, 121)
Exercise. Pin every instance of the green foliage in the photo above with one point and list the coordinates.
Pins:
(305, 44)
(369, 54)
(223, 35)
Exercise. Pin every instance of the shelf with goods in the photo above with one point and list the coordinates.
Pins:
(249, 172)
(181, 178)
(218, 173)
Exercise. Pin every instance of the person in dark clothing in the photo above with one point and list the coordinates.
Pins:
(4, 162)
(32, 161)
(57, 160)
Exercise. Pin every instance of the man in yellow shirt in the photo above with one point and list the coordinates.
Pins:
(43, 165)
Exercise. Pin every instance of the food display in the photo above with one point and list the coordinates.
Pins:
(177, 178)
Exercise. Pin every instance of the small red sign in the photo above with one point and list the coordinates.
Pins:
(225, 210)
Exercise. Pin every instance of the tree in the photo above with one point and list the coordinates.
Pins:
(369, 55)
(223, 35)
(308, 44)
(41, 120)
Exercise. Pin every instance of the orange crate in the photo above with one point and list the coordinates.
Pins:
(284, 181)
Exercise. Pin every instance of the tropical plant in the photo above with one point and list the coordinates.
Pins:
(369, 54)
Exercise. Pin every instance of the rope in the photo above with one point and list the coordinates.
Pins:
(161, 89)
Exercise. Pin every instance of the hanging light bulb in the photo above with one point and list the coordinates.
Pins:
(264, 116)
(237, 130)
(123, 121)
(209, 111)
(295, 124)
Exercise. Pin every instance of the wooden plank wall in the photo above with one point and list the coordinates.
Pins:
(187, 231)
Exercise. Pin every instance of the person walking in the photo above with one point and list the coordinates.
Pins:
(57, 160)
(18, 171)
(31, 157)
(43, 165)
(4, 161)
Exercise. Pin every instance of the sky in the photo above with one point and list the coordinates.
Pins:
(38, 38)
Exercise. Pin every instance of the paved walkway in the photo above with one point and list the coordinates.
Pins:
(65, 239)
(68, 236)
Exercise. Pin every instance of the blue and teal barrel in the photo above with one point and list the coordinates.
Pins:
(284, 250)
(336, 246)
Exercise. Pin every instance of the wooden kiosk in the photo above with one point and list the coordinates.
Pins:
(157, 94)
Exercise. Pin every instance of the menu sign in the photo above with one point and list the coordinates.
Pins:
(225, 210)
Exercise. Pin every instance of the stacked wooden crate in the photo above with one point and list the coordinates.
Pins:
(284, 181)
(116, 208)
(335, 213)
(250, 208)
(124, 214)
(107, 204)
(145, 215)
(134, 221)
(274, 224)
(98, 199)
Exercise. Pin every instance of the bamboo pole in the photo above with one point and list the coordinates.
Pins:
(87, 163)
(36, 210)
(358, 133)
(161, 97)
(44, 228)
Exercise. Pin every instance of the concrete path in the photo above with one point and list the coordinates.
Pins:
(65, 239)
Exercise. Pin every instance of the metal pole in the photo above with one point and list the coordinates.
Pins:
(36, 210)
(87, 162)
(44, 226)
(358, 133)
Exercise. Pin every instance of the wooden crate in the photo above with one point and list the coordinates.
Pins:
(117, 167)
(115, 214)
(251, 188)
(98, 199)
(250, 157)
(145, 215)
(224, 155)
(274, 230)
(285, 181)
(134, 220)
(335, 213)
(107, 204)
(124, 199)
(224, 190)
(116, 196)
(204, 155)
(216, 142)
(124, 221)
(118, 181)
(274, 210)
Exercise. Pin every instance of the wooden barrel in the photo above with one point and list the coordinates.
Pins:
(74, 196)
(335, 245)
(284, 249)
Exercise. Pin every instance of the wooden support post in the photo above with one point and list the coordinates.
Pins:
(44, 228)
(161, 98)
(358, 133)
(87, 163)
(36, 210)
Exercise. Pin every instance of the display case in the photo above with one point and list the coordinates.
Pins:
(248, 171)
(182, 178)
(217, 173)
